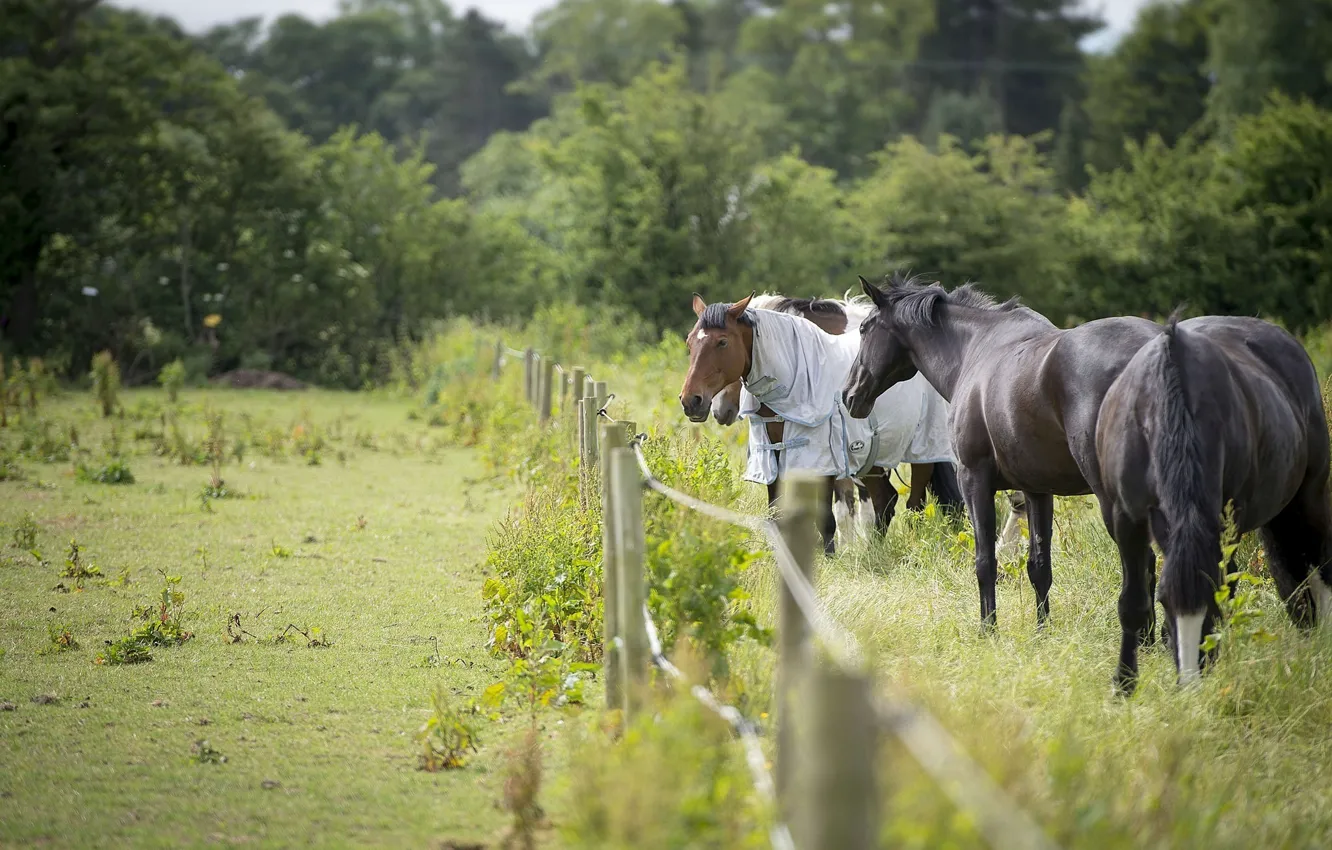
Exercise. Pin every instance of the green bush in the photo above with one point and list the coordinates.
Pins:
(675, 779)
(696, 564)
(992, 217)
(172, 378)
(106, 381)
(114, 471)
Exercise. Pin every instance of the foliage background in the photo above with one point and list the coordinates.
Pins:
(324, 191)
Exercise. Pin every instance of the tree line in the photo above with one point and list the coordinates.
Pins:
(309, 196)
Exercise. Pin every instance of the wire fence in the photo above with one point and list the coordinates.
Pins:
(999, 820)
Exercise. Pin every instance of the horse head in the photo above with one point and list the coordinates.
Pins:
(884, 359)
(719, 349)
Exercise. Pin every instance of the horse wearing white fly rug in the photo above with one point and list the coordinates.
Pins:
(797, 370)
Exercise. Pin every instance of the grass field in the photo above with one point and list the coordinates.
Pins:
(381, 553)
(380, 547)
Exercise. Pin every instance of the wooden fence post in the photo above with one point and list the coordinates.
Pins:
(590, 408)
(529, 373)
(582, 438)
(547, 377)
(628, 498)
(799, 505)
(564, 391)
(835, 793)
(612, 437)
(602, 394)
(576, 388)
(499, 359)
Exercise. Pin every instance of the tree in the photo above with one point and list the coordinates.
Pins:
(1022, 55)
(992, 217)
(1282, 162)
(836, 71)
(603, 41)
(81, 90)
(1154, 82)
(407, 69)
(1262, 46)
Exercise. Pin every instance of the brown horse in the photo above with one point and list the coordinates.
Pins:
(721, 346)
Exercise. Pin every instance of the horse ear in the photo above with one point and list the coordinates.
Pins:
(738, 309)
(875, 294)
(699, 304)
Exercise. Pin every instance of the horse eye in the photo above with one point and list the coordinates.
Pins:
(721, 343)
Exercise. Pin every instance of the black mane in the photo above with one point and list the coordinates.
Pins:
(713, 317)
(914, 300)
(808, 305)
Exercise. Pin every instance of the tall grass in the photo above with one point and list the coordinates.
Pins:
(1235, 762)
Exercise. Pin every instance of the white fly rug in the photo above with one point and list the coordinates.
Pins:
(798, 371)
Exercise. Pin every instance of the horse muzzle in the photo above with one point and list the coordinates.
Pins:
(857, 404)
(695, 407)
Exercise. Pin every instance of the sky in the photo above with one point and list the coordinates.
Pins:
(199, 15)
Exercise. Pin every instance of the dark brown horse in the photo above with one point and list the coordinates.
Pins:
(1214, 410)
(1025, 396)
(720, 346)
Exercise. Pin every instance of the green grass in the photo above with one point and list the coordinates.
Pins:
(1237, 762)
(1234, 763)
(319, 742)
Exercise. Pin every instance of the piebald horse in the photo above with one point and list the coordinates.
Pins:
(832, 317)
(799, 405)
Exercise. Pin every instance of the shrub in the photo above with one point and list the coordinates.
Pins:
(172, 378)
(675, 779)
(114, 471)
(106, 382)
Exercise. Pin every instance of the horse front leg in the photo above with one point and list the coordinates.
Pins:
(978, 492)
(920, 479)
(883, 496)
(828, 519)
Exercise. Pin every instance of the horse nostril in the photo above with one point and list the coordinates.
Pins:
(695, 400)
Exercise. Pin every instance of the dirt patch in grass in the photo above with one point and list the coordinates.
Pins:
(258, 379)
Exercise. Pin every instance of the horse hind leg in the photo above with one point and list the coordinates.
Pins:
(920, 479)
(1298, 542)
(1040, 568)
(1136, 603)
(947, 492)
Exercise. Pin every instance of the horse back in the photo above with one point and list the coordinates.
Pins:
(1039, 396)
(1254, 398)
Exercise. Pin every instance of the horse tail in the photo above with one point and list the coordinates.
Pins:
(1180, 468)
(947, 490)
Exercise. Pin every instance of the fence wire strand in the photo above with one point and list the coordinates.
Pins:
(1001, 822)
(780, 835)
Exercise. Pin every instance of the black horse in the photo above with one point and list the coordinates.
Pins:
(1025, 396)
(1214, 410)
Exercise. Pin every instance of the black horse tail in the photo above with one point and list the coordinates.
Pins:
(943, 481)
(1192, 548)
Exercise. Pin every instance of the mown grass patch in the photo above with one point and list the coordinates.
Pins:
(319, 742)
